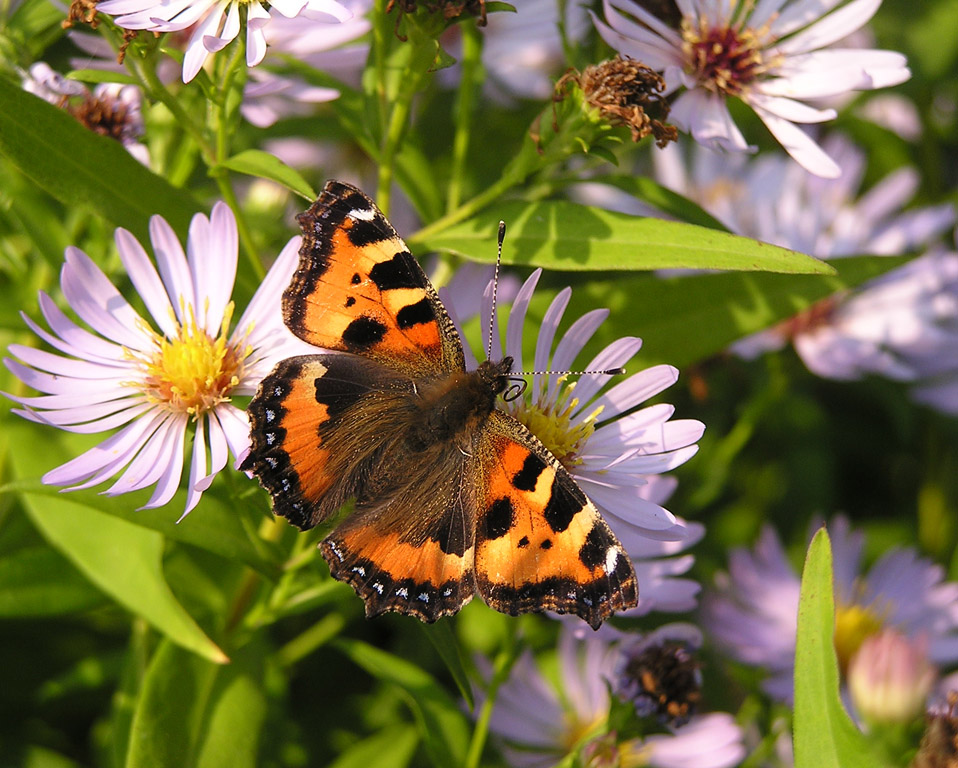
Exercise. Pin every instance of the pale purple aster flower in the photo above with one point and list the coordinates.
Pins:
(216, 23)
(753, 611)
(273, 92)
(110, 109)
(539, 723)
(152, 381)
(773, 55)
(889, 325)
(609, 447)
(522, 52)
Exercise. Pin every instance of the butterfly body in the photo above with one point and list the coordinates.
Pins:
(452, 495)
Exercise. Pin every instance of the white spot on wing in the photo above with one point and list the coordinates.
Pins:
(363, 214)
(611, 558)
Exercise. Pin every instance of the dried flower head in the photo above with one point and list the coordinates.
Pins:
(625, 92)
(450, 9)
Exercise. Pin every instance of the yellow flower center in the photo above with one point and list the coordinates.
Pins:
(853, 625)
(553, 425)
(724, 59)
(192, 372)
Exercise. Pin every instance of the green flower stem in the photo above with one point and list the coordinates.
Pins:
(224, 121)
(315, 637)
(469, 84)
(156, 90)
(503, 665)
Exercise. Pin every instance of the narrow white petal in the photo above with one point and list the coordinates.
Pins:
(572, 343)
(219, 451)
(56, 385)
(170, 480)
(615, 355)
(113, 452)
(68, 366)
(517, 319)
(545, 337)
(832, 28)
(197, 469)
(707, 118)
(172, 265)
(97, 302)
(78, 341)
(148, 465)
(799, 14)
(634, 390)
(800, 146)
(146, 281)
(791, 110)
(213, 264)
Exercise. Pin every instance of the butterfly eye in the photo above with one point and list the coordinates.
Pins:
(515, 389)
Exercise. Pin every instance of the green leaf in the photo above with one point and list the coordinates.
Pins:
(256, 162)
(76, 165)
(192, 712)
(123, 560)
(663, 199)
(392, 747)
(562, 235)
(444, 641)
(38, 581)
(442, 726)
(824, 734)
(216, 529)
(686, 319)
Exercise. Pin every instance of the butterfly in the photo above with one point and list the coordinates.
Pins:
(452, 495)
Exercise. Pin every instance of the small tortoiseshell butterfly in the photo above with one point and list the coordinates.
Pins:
(452, 495)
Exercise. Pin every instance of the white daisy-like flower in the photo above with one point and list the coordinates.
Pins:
(273, 92)
(774, 55)
(610, 446)
(540, 721)
(154, 380)
(753, 613)
(216, 23)
(110, 109)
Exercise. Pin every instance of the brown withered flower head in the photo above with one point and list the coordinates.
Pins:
(939, 744)
(663, 679)
(625, 92)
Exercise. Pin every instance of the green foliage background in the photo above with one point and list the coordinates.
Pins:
(115, 623)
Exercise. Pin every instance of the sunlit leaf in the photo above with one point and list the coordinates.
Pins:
(77, 166)
(824, 734)
(562, 235)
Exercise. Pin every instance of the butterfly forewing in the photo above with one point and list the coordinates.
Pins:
(358, 289)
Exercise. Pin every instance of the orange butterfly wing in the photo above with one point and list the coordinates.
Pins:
(540, 543)
(358, 289)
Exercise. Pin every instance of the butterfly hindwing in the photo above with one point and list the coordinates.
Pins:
(540, 543)
(413, 552)
(314, 428)
(358, 289)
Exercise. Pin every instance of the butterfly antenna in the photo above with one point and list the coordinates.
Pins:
(495, 289)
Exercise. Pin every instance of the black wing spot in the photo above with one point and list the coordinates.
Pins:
(500, 517)
(356, 279)
(523, 542)
(593, 551)
(350, 301)
(363, 332)
(415, 314)
(525, 479)
(396, 273)
(562, 507)
(547, 544)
